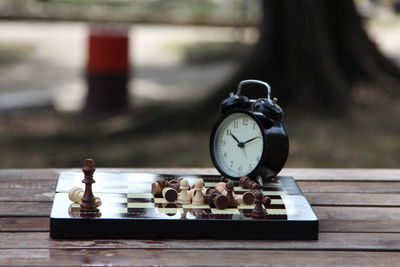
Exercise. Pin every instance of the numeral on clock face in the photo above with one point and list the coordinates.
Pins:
(238, 145)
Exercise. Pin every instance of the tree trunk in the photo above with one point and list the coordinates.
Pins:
(312, 52)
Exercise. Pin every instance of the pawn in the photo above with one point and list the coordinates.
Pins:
(169, 194)
(247, 183)
(266, 201)
(198, 198)
(191, 194)
(229, 194)
(248, 198)
(75, 194)
(238, 200)
(221, 187)
(258, 211)
(175, 184)
(215, 199)
(157, 187)
(183, 195)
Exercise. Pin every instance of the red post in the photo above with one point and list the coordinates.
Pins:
(107, 68)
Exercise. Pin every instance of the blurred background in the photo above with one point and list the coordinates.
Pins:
(137, 83)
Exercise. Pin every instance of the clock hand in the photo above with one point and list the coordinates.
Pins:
(240, 144)
(250, 140)
(244, 151)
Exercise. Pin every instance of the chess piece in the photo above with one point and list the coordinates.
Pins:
(157, 187)
(75, 194)
(266, 200)
(198, 198)
(175, 184)
(221, 187)
(229, 194)
(192, 191)
(215, 199)
(258, 211)
(206, 190)
(191, 194)
(169, 194)
(238, 200)
(248, 198)
(246, 182)
(88, 202)
(183, 195)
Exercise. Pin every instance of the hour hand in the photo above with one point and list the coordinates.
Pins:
(248, 141)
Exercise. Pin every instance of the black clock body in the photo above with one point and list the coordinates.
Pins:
(268, 116)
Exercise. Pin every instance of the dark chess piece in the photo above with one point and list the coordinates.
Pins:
(169, 194)
(247, 183)
(175, 184)
(229, 194)
(88, 204)
(215, 199)
(266, 200)
(248, 198)
(258, 211)
(157, 187)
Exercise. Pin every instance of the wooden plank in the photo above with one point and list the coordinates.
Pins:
(28, 184)
(352, 199)
(349, 187)
(327, 241)
(299, 174)
(28, 195)
(358, 213)
(359, 226)
(343, 174)
(174, 257)
(29, 209)
(18, 224)
(29, 174)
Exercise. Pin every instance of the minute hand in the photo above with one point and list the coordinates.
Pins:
(250, 140)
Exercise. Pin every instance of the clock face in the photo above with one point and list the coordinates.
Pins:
(238, 145)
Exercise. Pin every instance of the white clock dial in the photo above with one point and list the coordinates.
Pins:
(238, 144)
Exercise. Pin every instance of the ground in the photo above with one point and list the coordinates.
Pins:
(154, 133)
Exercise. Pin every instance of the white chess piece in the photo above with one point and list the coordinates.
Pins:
(75, 194)
(198, 198)
(183, 195)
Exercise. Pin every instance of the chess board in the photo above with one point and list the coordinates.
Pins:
(129, 210)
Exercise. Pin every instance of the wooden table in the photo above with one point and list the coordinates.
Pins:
(359, 212)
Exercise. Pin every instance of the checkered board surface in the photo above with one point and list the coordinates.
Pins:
(127, 197)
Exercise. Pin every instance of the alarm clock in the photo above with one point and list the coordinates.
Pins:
(249, 138)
